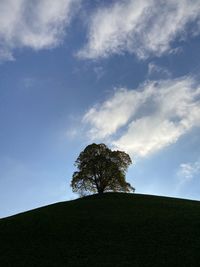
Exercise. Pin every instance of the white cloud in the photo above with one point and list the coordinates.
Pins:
(143, 27)
(147, 119)
(187, 171)
(156, 69)
(99, 71)
(113, 113)
(36, 24)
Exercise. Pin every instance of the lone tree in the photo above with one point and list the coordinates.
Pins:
(101, 170)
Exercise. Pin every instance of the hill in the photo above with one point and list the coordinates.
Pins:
(115, 229)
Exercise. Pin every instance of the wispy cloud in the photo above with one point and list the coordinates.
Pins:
(146, 27)
(35, 24)
(154, 69)
(187, 171)
(147, 119)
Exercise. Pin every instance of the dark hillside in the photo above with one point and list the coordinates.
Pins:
(115, 229)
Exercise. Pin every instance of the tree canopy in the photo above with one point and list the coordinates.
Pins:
(101, 170)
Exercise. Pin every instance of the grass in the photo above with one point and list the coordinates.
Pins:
(115, 229)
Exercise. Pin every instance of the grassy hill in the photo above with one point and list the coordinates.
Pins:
(116, 230)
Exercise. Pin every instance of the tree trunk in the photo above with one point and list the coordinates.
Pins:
(100, 190)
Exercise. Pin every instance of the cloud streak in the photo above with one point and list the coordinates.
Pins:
(187, 171)
(148, 118)
(34, 24)
(154, 69)
(145, 28)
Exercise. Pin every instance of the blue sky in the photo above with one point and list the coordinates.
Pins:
(125, 73)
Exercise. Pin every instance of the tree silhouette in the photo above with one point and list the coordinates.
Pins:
(101, 169)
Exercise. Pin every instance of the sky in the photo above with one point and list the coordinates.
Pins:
(120, 72)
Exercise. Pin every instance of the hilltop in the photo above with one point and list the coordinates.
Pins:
(115, 229)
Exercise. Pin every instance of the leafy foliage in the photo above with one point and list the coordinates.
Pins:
(101, 169)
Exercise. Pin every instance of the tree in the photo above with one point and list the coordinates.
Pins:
(101, 170)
